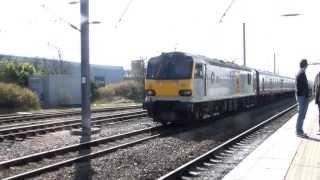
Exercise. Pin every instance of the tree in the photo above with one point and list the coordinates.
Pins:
(15, 72)
(60, 66)
(138, 69)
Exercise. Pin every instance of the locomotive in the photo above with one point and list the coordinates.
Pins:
(184, 87)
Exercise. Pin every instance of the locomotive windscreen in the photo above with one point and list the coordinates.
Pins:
(170, 66)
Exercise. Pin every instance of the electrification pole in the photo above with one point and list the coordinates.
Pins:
(85, 69)
(274, 62)
(244, 43)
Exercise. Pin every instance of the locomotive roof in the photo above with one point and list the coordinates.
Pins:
(272, 74)
(216, 62)
(222, 63)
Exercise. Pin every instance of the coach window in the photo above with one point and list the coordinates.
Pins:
(198, 71)
(249, 79)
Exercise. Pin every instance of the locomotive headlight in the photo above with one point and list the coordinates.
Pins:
(185, 92)
(150, 92)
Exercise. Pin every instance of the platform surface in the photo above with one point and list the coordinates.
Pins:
(284, 155)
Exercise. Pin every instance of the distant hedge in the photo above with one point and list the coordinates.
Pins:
(17, 97)
(127, 89)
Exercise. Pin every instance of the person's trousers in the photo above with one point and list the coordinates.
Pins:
(319, 115)
(302, 110)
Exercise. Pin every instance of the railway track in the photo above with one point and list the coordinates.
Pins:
(154, 132)
(52, 120)
(41, 128)
(184, 172)
(194, 168)
(14, 118)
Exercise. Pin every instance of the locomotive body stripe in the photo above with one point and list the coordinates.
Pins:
(197, 100)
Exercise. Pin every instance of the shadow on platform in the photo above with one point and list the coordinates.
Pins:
(311, 138)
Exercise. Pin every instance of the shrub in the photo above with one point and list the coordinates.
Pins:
(14, 96)
(17, 72)
(126, 89)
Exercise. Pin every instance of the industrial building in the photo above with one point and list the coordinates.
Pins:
(61, 83)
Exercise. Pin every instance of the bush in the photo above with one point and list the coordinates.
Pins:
(17, 72)
(14, 96)
(127, 89)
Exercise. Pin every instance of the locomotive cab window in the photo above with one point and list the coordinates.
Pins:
(172, 66)
(199, 73)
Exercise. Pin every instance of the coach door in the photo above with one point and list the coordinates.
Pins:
(205, 79)
(200, 85)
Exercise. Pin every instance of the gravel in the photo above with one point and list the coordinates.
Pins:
(144, 161)
(13, 149)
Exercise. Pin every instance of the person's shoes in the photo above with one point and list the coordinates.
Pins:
(302, 135)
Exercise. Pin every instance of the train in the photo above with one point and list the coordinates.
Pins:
(182, 87)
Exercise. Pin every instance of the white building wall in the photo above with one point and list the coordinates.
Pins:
(57, 89)
(64, 90)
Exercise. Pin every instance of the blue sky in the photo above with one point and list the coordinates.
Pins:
(149, 27)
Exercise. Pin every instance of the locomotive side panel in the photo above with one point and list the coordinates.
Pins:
(225, 83)
(220, 85)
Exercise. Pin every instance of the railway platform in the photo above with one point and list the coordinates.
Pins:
(284, 155)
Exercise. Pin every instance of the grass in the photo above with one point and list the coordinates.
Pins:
(15, 97)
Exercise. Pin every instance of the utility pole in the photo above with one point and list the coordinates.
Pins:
(274, 62)
(85, 69)
(244, 43)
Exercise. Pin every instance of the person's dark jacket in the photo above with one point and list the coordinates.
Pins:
(316, 88)
(302, 84)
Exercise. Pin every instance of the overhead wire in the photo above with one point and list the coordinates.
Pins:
(60, 18)
(123, 13)
(226, 11)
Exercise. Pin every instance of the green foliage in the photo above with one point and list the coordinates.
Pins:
(126, 89)
(16, 72)
(14, 96)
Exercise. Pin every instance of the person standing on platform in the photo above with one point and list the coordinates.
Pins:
(302, 95)
(316, 92)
